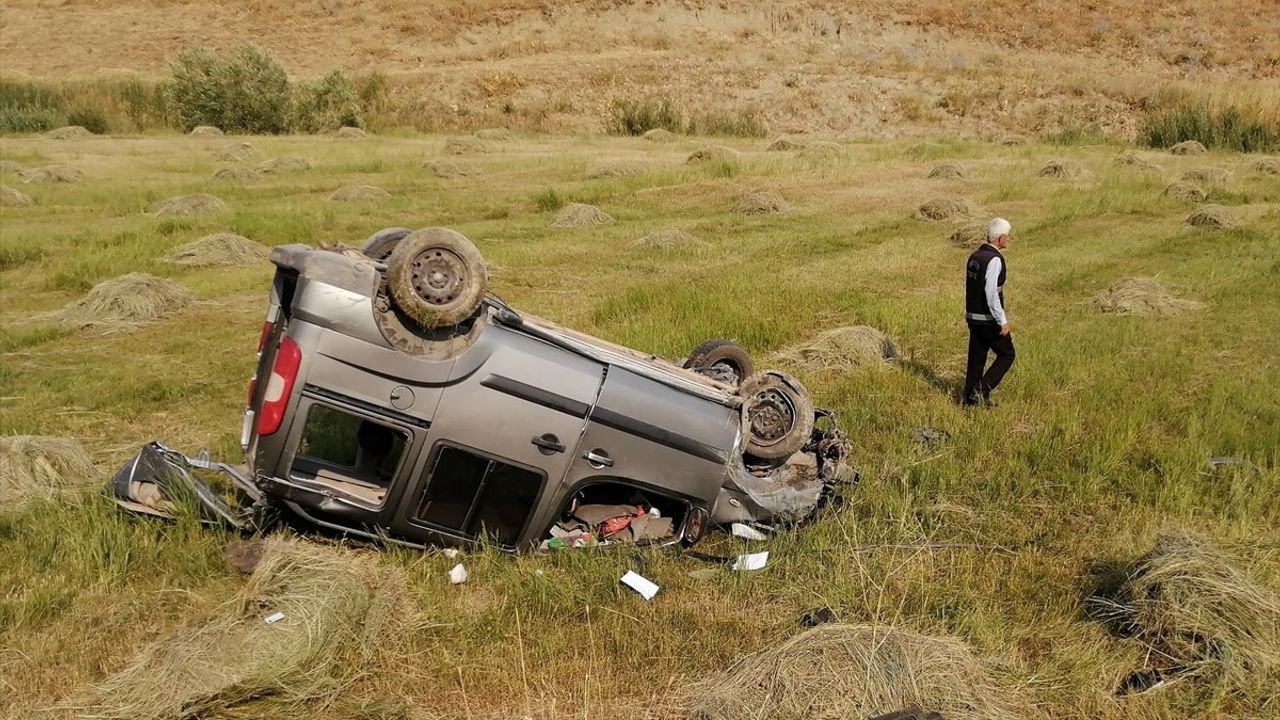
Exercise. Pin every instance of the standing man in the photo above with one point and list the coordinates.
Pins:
(984, 312)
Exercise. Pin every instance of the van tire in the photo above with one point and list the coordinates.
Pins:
(379, 245)
(722, 353)
(437, 277)
(777, 415)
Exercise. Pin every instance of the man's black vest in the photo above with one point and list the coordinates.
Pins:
(975, 280)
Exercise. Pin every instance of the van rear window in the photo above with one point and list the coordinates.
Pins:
(475, 495)
(339, 447)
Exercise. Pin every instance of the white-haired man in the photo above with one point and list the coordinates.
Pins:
(985, 275)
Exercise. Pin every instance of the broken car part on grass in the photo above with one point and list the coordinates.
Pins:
(396, 400)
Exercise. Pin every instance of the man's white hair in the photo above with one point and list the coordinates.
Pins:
(998, 227)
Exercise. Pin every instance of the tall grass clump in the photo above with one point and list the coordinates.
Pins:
(635, 117)
(245, 90)
(101, 105)
(1226, 128)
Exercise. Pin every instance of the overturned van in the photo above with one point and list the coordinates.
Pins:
(395, 399)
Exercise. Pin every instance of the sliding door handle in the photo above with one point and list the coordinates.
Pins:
(548, 444)
(599, 459)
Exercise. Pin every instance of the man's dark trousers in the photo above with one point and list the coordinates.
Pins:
(983, 338)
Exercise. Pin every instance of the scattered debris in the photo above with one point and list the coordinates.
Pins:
(237, 174)
(930, 435)
(194, 204)
(52, 173)
(351, 133)
(659, 135)
(244, 556)
(69, 132)
(1188, 147)
(40, 466)
(1140, 296)
(358, 193)
(843, 348)
(226, 249)
(1267, 166)
(612, 169)
(579, 215)
(1061, 169)
(945, 208)
(855, 671)
(1210, 175)
(646, 587)
(822, 150)
(448, 168)
(785, 144)
(588, 524)
(205, 131)
(751, 562)
(668, 239)
(761, 203)
(10, 197)
(463, 146)
(1214, 217)
(971, 234)
(284, 163)
(238, 152)
(1219, 461)
(746, 532)
(947, 171)
(458, 574)
(499, 134)
(274, 618)
(717, 153)
(129, 299)
(1187, 191)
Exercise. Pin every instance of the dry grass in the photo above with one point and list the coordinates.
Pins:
(351, 133)
(238, 152)
(222, 249)
(185, 205)
(1013, 140)
(237, 174)
(40, 466)
(714, 153)
(340, 611)
(669, 239)
(615, 168)
(1209, 175)
(205, 131)
(761, 203)
(466, 146)
(822, 150)
(1136, 161)
(9, 166)
(70, 132)
(1188, 191)
(1140, 296)
(851, 672)
(10, 197)
(1267, 166)
(947, 171)
(659, 135)
(448, 168)
(52, 173)
(580, 215)
(498, 134)
(1188, 147)
(126, 300)
(1067, 169)
(785, 144)
(283, 164)
(1213, 217)
(843, 348)
(946, 208)
(359, 193)
(969, 235)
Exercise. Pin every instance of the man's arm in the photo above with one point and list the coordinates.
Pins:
(993, 294)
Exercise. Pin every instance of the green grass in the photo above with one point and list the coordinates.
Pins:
(1100, 440)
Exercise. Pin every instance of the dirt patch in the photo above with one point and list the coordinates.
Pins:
(1210, 175)
(1140, 296)
(761, 203)
(40, 466)
(843, 348)
(13, 198)
(839, 672)
(785, 144)
(306, 623)
(128, 299)
(359, 193)
(613, 169)
(446, 168)
(466, 146)
(714, 153)
(822, 150)
(219, 249)
(968, 235)
(205, 131)
(1183, 190)
(70, 132)
(284, 164)
(238, 152)
(237, 174)
(579, 215)
(1188, 147)
(659, 135)
(52, 173)
(497, 134)
(1267, 166)
(351, 133)
(946, 208)
(1214, 217)
(947, 171)
(182, 205)
(669, 239)
(1067, 169)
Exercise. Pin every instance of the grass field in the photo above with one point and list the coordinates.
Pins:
(1099, 443)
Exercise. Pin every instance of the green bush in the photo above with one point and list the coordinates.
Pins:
(636, 117)
(325, 105)
(29, 119)
(246, 91)
(91, 119)
(1226, 128)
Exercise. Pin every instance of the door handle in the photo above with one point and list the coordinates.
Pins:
(599, 458)
(548, 444)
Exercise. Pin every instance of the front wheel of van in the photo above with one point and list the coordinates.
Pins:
(437, 277)
(777, 415)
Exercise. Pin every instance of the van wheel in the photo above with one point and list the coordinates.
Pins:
(380, 244)
(777, 415)
(722, 360)
(437, 277)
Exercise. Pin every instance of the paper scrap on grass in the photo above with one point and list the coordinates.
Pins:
(273, 618)
(458, 574)
(746, 532)
(646, 587)
(751, 561)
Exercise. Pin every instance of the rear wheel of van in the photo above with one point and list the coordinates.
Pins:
(379, 245)
(437, 277)
(723, 360)
(777, 415)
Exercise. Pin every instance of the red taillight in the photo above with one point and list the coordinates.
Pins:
(275, 399)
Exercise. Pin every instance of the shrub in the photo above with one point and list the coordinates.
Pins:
(245, 91)
(91, 119)
(1226, 128)
(325, 105)
(635, 117)
(28, 119)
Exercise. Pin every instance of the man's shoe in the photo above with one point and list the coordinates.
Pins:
(970, 401)
(987, 402)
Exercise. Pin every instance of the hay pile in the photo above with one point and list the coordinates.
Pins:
(1213, 217)
(714, 153)
(446, 168)
(1267, 166)
(1188, 147)
(1183, 190)
(351, 133)
(341, 611)
(1133, 160)
(945, 208)
(850, 672)
(1210, 175)
(284, 163)
(224, 249)
(40, 465)
(613, 169)
(1199, 616)
(843, 348)
(1013, 140)
(129, 299)
(785, 144)
(946, 171)
(52, 173)
(822, 150)
(69, 132)
(205, 131)
(9, 166)
(498, 134)
(13, 198)
(659, 135)
(183, 205)
(761, 203)
(1061, 169)
(971, 234)
(359, 193)
(237, 174)
(669, 239)
(1140, 296)
(464, 146)
(238, 152)
(578, 215)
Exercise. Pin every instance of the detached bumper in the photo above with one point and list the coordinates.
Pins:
(164, 483)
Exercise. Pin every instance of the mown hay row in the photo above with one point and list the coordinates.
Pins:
(1214, 217)
(129, 299)
(842, 348)
(1140, 296)
(40, 466)
(945, 208)
(219, 249)
(669, 239)
(284, 163)
(358, 193)
(184, 205)
(238, 152)
(10, 197)
(52, 173)
(761, 203)
(580, 215)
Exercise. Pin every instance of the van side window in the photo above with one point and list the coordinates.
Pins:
(337, 447)
(473, 495)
